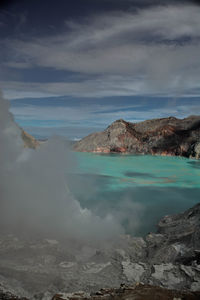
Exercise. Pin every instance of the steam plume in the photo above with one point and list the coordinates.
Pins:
(34, 194)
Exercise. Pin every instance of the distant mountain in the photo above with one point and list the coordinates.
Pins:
(166, 136)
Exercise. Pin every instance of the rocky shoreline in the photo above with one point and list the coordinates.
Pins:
(170, 258)
(166, 136)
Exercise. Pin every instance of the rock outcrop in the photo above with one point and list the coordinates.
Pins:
(166, 136)
(9, 296)
(178, 238)
(124, 292)
(29, 140)
(196, 151)
(170, 258)
(134, 292)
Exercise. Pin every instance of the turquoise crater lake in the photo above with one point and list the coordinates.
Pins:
(136, 189)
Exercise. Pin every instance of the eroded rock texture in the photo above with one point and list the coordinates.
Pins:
(29, 140)
(134, 292)
(167, 136)
(41, 268)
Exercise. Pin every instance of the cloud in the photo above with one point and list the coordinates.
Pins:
(154, 50)
(35, 194)
(96, 114)
(94, 87)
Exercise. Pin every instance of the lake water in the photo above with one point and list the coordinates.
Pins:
(137, 190)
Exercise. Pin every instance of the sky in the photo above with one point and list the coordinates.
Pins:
(73, 67)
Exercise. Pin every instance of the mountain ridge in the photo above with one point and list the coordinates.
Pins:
(164, 136)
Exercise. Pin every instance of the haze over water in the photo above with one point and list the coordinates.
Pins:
(136, 189)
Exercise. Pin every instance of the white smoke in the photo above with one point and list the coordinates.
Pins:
(34, 195)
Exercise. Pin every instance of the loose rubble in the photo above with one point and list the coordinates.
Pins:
(41, 268)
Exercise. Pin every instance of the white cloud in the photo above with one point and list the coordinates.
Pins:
(155, 51)
(99, 115)
(68, 114)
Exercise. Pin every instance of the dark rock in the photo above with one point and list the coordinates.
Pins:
(178, 238)
(9, 296)
(166, 136)
(137, 292)
(195, 150)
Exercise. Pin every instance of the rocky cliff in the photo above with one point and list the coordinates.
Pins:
(166, 136)
(29, 140)
(170, 258)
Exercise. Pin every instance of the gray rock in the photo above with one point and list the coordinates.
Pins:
(169, 258)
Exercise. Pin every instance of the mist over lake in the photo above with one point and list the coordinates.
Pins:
(137, 189)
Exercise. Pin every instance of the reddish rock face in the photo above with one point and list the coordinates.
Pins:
(167, 136)
(101, 150)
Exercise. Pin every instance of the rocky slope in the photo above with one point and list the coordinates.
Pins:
(167, 136)
(41, 268)
(10, 296)
(29, 140)
(134, 292)
(124, 292)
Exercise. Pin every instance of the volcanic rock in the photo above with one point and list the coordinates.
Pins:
(166, 136)
(134, 292)
(9, 296)
(196, 151)
(170, 258)
(178, 238)
(29, 140)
